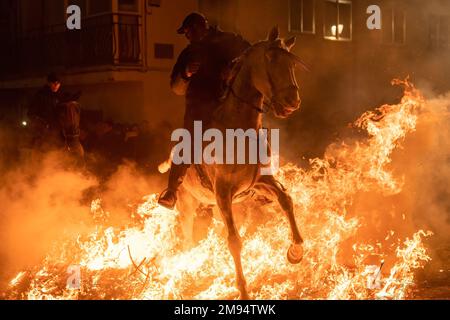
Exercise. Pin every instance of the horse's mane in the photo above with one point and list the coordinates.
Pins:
(236, 66)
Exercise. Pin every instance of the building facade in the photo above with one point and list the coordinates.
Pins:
(121, 58)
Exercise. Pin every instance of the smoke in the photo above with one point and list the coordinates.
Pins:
(422, 166)
(44, 202)
(125, 189)
(40, 204)
(425, 162)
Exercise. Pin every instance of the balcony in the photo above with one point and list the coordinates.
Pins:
(104, 40)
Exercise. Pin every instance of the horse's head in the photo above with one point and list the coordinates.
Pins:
(69, 118)
(273, 73)
(69, 121)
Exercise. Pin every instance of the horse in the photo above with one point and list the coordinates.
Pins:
(69, 123)
(62, 132)
(265, 72)
(69, 120)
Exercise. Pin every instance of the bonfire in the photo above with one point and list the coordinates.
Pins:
(152, 261)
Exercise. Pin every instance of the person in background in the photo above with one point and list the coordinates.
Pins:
(42, 113)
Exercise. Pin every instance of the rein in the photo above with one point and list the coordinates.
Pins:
(252, 105)
(257, 108)
(242, 100)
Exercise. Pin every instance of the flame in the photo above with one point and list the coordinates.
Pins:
(152, 260)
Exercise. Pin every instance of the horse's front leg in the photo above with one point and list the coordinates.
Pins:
(224, 201)
(268, 186)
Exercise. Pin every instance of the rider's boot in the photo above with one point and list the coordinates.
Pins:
(168, 198)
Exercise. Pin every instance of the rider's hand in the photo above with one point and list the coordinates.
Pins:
(192, 68)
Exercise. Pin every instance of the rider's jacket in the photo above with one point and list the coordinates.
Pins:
(215, 54)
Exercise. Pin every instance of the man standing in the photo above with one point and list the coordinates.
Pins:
(199, 74)
(43, 112)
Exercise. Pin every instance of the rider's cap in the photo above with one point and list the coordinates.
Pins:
(53, 77)
(192, 20)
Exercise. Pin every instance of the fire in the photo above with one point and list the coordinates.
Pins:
(152, 260)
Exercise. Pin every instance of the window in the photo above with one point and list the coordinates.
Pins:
(302, 16)
(394, 26)
(439, 32)
(338, 20)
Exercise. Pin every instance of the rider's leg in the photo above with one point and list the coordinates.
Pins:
(196, 110)
(177, 173)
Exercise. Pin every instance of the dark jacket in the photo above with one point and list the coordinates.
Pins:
(215, 54)
(44, 106)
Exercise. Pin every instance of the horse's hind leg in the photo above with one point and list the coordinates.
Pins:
(268, 186)
(224, 201)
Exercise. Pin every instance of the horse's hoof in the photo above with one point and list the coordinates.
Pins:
(295, 253)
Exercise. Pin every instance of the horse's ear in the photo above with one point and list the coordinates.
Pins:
(290, 43)
(274, 34)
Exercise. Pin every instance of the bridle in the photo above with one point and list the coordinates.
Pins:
(270, 100)
(257, 108)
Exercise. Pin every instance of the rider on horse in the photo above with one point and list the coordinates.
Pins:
(200, 74)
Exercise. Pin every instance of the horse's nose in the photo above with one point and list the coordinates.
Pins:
(296, 103)
(293, 99)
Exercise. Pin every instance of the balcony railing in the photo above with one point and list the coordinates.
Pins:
(110, 39)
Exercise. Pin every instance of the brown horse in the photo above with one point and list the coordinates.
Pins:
(69, 123)
(265, 72)
(62, 132)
